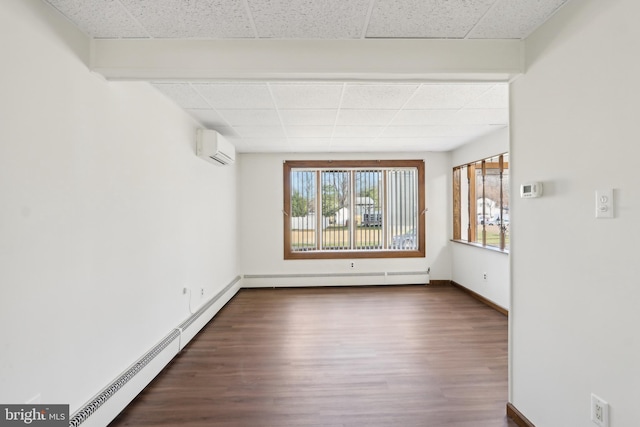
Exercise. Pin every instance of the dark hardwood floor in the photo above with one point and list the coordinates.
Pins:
(341, 357)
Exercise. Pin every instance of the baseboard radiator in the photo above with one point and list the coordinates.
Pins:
(110, 401)
(335, 279)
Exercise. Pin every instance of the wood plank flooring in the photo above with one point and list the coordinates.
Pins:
(340, 357)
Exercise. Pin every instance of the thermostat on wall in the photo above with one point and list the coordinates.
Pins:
(530, 190)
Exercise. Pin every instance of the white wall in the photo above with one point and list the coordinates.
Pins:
(575, 294)
(261, 234)
(489, 145)
(469, 263)
(106, 214)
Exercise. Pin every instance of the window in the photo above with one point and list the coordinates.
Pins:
(354, 209)
(481, 202)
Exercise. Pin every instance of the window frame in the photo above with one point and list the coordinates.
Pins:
(472, 197)
(420, 251)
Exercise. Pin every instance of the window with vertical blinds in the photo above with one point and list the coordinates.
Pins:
(354, 209)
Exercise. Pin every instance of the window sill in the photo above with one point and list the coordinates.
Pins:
(477, 245)
(350, 254)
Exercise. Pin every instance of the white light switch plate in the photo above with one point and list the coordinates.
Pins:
(604, 203)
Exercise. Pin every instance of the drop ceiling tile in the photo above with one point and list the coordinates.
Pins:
(446, 96)
(357, 131)
(448, 145)
(309, 19)
(358, 148)
(515, 19)
(431, 131)
(423, 117)
(318, 142)
(496, 97)
(459, 140)
(225, 131)
(209, 118)
(309, 131)
(225, 96)
(183, 95)
(251, 117)
(264, 145)
(408, 141)
(309, 117)
(425, 18)
(377, 96)
(259, 131)
(309, 148)
(486, 116)
(105, 19)
(212, 19)
(365, 117)
(306, 96)
(357, 140)
(451, 117)
(422, 144)
(310, 143)
(351, 146)
(407, 131)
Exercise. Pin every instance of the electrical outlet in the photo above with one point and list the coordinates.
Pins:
(484, 276)
(201, 292)
(599, 411)
(352, 264)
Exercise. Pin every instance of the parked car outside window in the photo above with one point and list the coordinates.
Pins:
(405, 241)
(495, 220)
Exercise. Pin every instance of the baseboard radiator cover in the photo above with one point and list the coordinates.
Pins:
(335, 279)
(111, 400)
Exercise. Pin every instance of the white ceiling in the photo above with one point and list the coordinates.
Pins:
(326, 116)
(308, 19)
(317, 117)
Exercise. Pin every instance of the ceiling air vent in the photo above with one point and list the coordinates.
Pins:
(214, 148)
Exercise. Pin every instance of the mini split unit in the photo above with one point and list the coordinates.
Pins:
(214, 148)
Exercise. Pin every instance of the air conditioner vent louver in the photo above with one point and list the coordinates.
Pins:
(214, 148)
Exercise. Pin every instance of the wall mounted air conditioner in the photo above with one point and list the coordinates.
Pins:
(214, 148)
